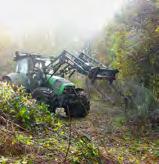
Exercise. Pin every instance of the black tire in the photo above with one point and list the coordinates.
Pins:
(45, 95)
(80, 108)
(6, 79)
(10, 82)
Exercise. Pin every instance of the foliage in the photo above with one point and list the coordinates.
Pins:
(29, 133)
(86, 151)
(139, 106)
(20, 107)
(130, 42)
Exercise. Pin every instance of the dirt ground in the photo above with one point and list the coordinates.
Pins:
(105, 127)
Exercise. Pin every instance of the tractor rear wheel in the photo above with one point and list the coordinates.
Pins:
(45, 95)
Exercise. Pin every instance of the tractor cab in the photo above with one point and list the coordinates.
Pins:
(22, 66)
(30, 66)
(27, 63)
(23, 63)
(28, 73)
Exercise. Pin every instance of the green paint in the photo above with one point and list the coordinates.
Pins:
(58, 84)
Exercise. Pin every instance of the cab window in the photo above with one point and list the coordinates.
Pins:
(22, 66)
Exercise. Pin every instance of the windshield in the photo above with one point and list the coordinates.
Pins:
(22, 66)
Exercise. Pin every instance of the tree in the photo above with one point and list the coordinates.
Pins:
(131, 42)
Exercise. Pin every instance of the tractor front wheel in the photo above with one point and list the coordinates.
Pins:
(81, 106)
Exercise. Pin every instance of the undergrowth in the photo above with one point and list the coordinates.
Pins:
(29, 133)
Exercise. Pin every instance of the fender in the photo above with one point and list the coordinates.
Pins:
(17, 79)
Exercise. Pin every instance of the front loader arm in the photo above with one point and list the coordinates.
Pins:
(66, 63)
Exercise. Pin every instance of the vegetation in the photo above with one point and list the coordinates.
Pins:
(123, 127)
(36, 136)
(130, 43)
(30, 134)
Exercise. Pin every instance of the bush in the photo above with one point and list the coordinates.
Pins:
(19, 106)
(139, 106)
(138, 103)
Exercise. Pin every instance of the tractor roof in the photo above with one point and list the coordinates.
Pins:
(21, 55)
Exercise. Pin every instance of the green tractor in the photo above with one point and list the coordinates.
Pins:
(43, 78)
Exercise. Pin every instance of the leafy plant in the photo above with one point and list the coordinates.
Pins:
(20, 107)
(86, 151)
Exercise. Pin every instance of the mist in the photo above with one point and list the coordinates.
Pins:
(50, 26)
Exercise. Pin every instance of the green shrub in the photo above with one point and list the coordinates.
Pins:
(86, 151)
(22, 108)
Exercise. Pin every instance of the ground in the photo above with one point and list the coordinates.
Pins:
(105, 126)
(101, 137)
